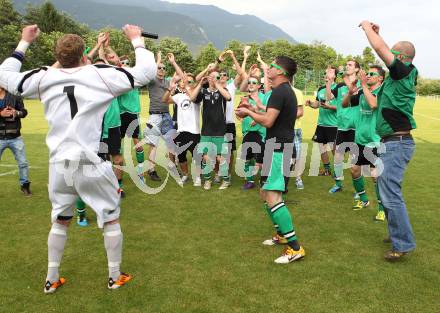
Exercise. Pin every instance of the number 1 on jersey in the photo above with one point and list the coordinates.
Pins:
(69, 90)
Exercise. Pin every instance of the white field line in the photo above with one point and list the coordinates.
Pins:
(428, 117)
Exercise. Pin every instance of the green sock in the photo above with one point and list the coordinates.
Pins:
(327, 166)
(206, 174)
(267, 209)
(80, 207)
(359, 187)
(121, 185)
(140, 157)
(224, 170)
(249, 169)
(376, 187)
(281, 217)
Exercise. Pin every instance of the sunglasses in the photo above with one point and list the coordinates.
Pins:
(272, 65)
(396, 53)
(224, 74)
(125, 62)
(190, 81)
(253, 82)
(372, 74)
(161, 67)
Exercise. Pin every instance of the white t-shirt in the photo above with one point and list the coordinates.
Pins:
(188, 114)
(76, 99)
(230, 104)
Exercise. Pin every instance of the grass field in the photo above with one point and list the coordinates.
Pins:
(192, 250)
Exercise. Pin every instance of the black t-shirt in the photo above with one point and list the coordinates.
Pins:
(213, 112)
(284, 100)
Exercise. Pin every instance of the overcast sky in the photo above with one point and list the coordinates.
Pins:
(335, 23)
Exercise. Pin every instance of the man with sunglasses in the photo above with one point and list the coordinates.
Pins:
(160, 123)
(366, 138)
(279, 120)
(345, 117)
(325, 133)
(395, 120)
(213, 100)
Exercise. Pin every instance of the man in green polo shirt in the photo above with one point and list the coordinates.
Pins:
(366, 138)
(395, 121)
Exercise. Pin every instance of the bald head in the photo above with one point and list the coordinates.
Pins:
(406, 48)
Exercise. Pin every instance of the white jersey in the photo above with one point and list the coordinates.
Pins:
(230, 104)
(188, 114)
(76, 99)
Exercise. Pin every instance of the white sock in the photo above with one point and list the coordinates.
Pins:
(113, 246)
(55, 244)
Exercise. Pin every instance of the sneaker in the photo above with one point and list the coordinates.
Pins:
(82, 221)
(356, 196)
(335, 189)
(207, 185)
(225, 184)
(380, 216)
(25, 188)
(325, 172)
(184, 179)
(217, 179)
(122, 280)
(52, 287)
(392, 256)
(291, 255)
(198, 182)
(275, 240)
(153, 175)
(248, 185)
(359, 205)
(299, 184)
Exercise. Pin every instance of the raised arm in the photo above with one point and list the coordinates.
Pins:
(371, 99)
(102, 37)
(177, 68)
(223, 91)
(194, 94)
(377, 43)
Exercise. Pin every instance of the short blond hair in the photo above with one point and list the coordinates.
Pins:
(69, 50)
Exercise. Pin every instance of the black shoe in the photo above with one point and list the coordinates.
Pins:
(153, 176)
(122, 193)
(26, 189)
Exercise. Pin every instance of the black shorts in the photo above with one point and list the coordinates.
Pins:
(183, 139)
(325, 134)
(344, 140)
(363, 155)
(247, 153)
(112, 145)
(230, 129)
(126, 120)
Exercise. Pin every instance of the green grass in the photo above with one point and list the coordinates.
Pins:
(196, 251)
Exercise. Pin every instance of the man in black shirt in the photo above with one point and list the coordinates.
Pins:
(214, 100)
(279, 120)
(11, 112)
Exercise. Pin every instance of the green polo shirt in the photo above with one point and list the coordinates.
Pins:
(112, 118)
(326, 117)
(247, 121)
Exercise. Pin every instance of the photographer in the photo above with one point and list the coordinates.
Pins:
(11, 112)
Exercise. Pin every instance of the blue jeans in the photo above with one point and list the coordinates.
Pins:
(17, 147)
(395, 160)
(298, 141)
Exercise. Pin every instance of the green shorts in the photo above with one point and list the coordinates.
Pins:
(275, 181)
(212, 142)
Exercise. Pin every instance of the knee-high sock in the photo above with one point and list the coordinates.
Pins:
(281, 217)
(339, 173)
(140, 156)
(267, 209)
(249, 170)
(359, 186)
(224, 170)
(113, 246)
(206, 172)
(55, 246)
(80, 207)
(379, 201)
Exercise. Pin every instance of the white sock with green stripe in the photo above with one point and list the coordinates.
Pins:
(113, 246)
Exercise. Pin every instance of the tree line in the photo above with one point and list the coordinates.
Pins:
(312, 59)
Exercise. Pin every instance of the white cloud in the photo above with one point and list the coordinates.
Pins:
(335, 23)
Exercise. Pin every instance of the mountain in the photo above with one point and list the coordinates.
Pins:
(195, 24)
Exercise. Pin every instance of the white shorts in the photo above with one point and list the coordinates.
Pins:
(96, 184)
(160, 125)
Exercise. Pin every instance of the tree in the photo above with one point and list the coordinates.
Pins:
(8, 15)
(368, 57)
(181, 53)
(208, 54)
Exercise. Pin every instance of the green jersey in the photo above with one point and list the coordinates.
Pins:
(112, 118)
(130, 102)
(396, 99)
(326, 117)
(246, 124)
(345, 116)
(366, 121)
